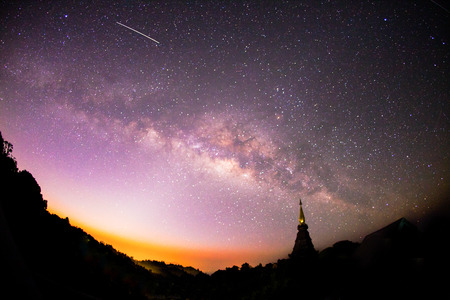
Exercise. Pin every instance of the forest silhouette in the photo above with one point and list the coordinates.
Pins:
(43, 257)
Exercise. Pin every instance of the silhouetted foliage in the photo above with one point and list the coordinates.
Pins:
(58, 260)
(160, 267)
(43, 257)
(7, 161)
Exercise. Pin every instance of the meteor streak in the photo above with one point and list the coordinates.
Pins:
(137, 32)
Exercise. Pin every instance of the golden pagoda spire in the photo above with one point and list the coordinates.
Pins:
(301, 217)
(303, 247)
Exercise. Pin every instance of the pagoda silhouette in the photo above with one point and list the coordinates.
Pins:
(303, 247)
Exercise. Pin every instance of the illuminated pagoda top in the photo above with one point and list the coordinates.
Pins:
(303, 247)
(301, 217)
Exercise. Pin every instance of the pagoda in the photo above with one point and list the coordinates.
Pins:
(303, 247)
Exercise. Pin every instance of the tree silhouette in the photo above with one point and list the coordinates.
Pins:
(60, 261)
(8, 163)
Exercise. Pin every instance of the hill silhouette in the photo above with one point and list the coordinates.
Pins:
(43, 257)
(160, 267)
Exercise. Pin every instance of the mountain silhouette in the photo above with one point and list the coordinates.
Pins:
(42, 256)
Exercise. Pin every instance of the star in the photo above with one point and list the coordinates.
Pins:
(206, 142)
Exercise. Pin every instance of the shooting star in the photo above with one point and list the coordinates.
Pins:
(137, 32)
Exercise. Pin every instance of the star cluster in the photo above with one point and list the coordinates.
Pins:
(208, 139)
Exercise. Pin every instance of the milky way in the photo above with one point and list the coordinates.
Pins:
(209, 138)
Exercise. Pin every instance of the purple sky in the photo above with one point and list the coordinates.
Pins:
(209, 138)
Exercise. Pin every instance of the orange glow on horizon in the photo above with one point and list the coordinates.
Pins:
(206, 259)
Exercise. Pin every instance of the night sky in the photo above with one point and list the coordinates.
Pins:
(195, 147)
